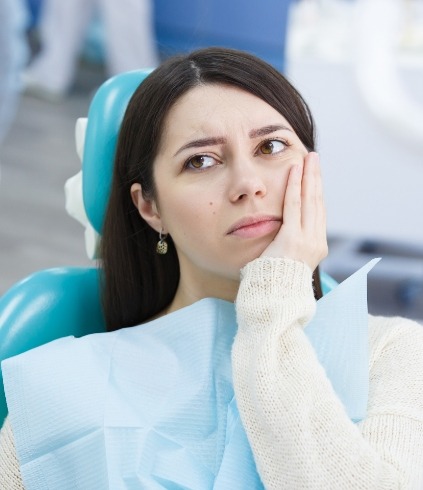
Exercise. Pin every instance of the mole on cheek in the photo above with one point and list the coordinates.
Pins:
(211, 204)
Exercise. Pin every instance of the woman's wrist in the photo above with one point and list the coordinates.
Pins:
(281, 275)
(275, 289)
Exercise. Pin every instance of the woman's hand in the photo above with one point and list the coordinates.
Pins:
(302, 235)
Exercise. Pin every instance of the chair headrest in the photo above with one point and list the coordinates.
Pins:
(104, 120)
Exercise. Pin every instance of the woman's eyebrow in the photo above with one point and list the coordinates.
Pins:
(218, 140)
(265, 130)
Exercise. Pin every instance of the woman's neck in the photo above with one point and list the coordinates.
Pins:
(190, 291)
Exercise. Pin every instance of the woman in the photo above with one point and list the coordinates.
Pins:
(215, 173)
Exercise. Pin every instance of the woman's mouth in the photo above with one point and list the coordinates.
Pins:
(254, 227)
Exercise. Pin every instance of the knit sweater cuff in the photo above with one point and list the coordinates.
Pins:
(275, 289)
(10, 477)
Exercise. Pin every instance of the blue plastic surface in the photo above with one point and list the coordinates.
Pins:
(328, 283)
(257, 27)
(104, 119)
(45, 306)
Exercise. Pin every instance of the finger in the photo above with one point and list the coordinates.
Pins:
(320, 202)
(313, 214)
(309, 190)
(292, 201)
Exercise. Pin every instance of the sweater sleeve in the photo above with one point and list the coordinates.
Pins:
(10, 476)
(298, 429)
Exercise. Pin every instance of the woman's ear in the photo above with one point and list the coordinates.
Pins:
(146, 207)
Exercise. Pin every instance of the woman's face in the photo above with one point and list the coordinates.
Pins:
(220, 175)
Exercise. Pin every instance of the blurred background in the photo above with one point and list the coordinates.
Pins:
(358, 63)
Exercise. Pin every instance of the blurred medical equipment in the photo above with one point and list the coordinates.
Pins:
(179, 27)
(359, 65)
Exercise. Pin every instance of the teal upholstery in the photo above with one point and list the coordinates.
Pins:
(66, 301)
(328, 282)
(104, 119)
(45, 306)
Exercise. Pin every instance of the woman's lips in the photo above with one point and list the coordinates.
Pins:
(256, 228)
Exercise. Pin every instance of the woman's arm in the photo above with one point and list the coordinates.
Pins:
(299, 431)
(10, 475)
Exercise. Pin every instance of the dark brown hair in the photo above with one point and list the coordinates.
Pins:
(137, 282)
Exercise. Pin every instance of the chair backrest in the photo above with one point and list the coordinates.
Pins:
(45, 306)
(66, 301)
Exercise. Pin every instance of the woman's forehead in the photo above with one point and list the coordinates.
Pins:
(218, 107)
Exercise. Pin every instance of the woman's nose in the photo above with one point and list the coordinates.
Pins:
(246, 182)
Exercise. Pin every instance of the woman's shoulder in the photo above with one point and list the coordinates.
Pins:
(396, 345)
(384, 330)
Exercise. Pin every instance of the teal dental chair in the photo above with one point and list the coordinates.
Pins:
(65, 301)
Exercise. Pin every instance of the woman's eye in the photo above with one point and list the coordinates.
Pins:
(200, 162)
(271, 147)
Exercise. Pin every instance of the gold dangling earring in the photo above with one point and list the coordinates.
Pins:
(161, 247)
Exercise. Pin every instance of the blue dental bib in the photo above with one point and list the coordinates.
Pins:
(153, 407)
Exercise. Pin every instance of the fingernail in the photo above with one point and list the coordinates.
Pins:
(316, 156)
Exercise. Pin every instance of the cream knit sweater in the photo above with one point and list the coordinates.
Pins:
(300, 433)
